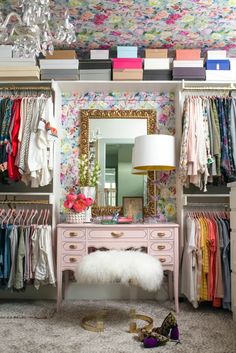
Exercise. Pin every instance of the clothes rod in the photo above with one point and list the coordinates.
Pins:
(204, 204)
(27, 88)
(21, 202)
(209, 88)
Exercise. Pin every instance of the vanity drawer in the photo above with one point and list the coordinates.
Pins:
(71, 260)
(161, 247)
(73, 246)
(76, 234)
(161, 234)
(117, 233)
(165, 259)
(117, 245)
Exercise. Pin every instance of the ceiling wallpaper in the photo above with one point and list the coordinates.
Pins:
(151, 23)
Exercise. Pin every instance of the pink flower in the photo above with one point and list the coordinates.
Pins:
(68, 204)
(81, 197)
(89, 201)
(71, 197)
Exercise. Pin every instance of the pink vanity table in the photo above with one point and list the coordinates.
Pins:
(161, 240)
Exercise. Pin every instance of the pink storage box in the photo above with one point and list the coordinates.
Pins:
(188, 54)
(127, 63)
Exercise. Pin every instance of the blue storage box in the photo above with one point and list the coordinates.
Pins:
(217, 64)
(127, 52)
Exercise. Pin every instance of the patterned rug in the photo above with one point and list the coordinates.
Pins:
(29, 309)
(202, 330)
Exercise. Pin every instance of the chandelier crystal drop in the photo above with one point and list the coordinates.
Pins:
(31, 33)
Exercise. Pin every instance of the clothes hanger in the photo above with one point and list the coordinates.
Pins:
(40, 215)
(35, 213)
(6, 217)
(30, 216)
(12, 211)
(47, 213)
(18, 215)
(24, 219)
(44, 216)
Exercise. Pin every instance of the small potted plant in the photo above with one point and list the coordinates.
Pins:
(77, 204)
(89, 175)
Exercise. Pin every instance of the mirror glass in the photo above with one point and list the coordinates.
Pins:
(111, 143)
(108, 136)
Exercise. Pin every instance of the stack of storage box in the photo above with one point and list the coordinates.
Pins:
(97, 68)
(17, 69)
(157, 65)
(62, 65)
(127, 66)
(218, 66)
(188, 65)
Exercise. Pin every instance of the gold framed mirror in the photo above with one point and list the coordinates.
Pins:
(146, 116)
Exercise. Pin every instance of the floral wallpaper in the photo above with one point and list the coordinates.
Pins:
(150, 23)
(163, 103)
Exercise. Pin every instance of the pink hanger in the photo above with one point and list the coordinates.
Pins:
(26, 214)
(48, 213)
(30, 216)
(40, 215)
(35, 213)
(6, 217)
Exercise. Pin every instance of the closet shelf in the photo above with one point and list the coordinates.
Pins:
(223, 199)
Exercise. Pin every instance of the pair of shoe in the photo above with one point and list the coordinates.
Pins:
(161, 335)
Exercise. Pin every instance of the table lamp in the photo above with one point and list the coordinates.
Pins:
(154, 153)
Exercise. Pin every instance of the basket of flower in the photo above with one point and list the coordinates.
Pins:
(76, 204)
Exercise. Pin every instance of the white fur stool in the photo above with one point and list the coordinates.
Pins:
(127, 267)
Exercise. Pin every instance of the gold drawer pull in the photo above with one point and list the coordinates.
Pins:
(161, 234)
(73, 234)
(117, 235)
(72, 246)
(161, 247)
(162, 260)
(73, 259)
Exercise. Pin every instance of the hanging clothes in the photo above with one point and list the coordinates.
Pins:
(206, 259)
(26, 254)
(28, 133)
(208, 146)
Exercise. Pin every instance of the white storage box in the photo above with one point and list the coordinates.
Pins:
(99, 54)
(216, 54)
(220, 75)
(188, 63)
(157, 64)
(59, 63)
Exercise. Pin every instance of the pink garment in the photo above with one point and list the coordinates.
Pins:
(13, 171)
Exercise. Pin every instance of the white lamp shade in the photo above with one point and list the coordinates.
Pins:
(136, 171)
(154, 152)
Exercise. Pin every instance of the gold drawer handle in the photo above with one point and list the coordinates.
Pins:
(161, 247)
(161, 234)
(73, 234)
(72, 246)
(73, 259)
(117, 235)
(162, 260)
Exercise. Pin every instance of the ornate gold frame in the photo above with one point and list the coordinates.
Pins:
(148, 114)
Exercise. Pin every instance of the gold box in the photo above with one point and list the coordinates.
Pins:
(62, 54)
(156, 53)
(127, 74)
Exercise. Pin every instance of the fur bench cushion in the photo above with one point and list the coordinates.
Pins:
(126, 267)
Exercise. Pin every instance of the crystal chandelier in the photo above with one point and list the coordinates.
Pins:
(30, 32)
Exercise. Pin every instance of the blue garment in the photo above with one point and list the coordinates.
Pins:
(225, 160)
(225, 260)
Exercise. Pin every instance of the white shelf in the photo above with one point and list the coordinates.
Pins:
(121, 86)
